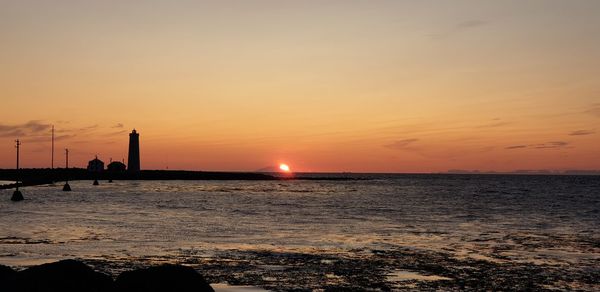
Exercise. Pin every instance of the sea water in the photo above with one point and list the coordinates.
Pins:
(534, 220)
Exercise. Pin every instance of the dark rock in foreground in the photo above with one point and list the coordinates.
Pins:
(162, 278)
(7, 278)
(74, 276)
(66, 275)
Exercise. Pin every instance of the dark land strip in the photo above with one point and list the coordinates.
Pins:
(32, 177)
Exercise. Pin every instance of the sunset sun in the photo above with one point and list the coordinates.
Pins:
(284, 167)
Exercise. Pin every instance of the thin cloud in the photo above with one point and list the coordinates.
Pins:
(63, 137)
(118, 125)
(88, 128)
(594, 110)
(493, 125)
(36, 126)
(548, 145)
(581, 133)
(48, 138)
(460, 27)
(31, 127)
(400, 144)
(551, 145)
(13, 133)
(516, 147)
(471, 23)
(116, 133)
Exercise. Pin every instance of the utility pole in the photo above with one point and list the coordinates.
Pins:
(67, 187)
(52, 164)
(17, 146)
(52, 174)
(17, 196)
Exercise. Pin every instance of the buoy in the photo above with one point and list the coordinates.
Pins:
(17, 196)
(67, 187)
(96, 182)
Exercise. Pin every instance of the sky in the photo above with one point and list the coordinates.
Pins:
(358, 86)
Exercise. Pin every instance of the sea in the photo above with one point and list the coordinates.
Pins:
(381, 232)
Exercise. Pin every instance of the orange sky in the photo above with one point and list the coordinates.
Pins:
(373, 86)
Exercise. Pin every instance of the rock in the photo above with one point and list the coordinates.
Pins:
(66, 275)
(7, 278)
(163, 278)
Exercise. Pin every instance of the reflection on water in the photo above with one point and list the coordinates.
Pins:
(540, 220)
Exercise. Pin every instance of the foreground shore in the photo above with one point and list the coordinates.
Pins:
(401, 269)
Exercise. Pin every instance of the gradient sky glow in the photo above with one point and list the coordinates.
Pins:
(371, 86)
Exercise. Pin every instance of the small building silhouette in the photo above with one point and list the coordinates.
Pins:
(95, 165)
(116, 166)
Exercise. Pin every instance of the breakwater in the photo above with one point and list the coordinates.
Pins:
(37, 176)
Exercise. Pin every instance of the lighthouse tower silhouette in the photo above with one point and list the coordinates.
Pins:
(133, 160)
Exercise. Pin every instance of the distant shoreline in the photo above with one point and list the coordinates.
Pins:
(31, 177)
(42, 176)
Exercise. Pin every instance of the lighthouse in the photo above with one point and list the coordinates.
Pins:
(133, 161)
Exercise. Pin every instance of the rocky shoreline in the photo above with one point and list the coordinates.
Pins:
(398, 269)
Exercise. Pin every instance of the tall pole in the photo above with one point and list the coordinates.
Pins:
(17, 196)
(17, 146)
(52, 163)
(67, 155)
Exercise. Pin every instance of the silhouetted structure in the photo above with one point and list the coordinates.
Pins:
(52, 161)
(67, 187)
(116, 166)
(95, 165)
(133, 160)
(17, 195)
